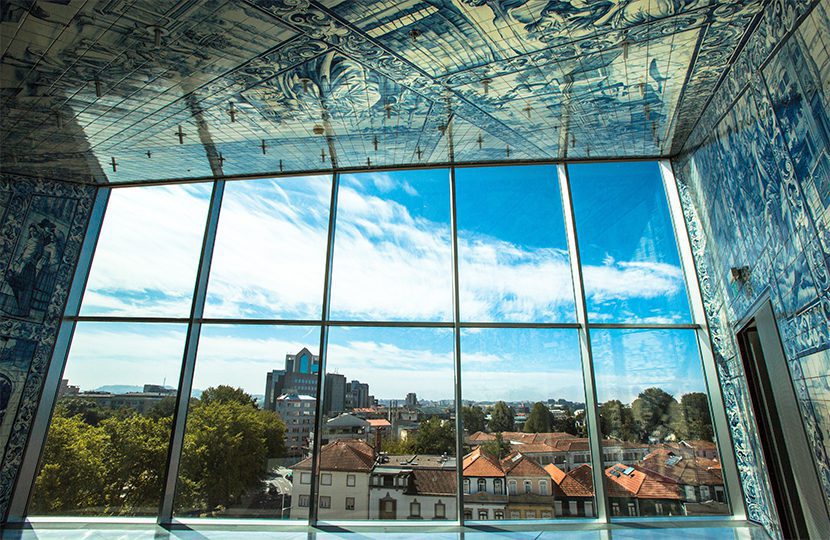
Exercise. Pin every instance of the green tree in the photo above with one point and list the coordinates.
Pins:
(497, 447)
(396, 447)
(227, 444)
(226, 394)
(539, 419)
(473, 419)
(72, 476)
(656, 413)
(435, 436)
(617, 420)
(135, 460)
(565, 424)
(90, 412)
(501, 417)
(696, 419)
(164, 408)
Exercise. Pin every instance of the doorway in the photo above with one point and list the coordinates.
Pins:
(794, 481)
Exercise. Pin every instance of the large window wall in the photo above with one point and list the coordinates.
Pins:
(469, 344)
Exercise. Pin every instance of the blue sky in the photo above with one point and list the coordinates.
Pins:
(392, 262)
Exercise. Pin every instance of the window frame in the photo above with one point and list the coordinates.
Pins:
(21, 494)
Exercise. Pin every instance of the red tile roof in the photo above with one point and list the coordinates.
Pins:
(639, 483)
(478, 463)
(378, 422)
(432, 482)
(683, 469)
(517, 464)
(578, 482)
(343, 455)
(555, 472)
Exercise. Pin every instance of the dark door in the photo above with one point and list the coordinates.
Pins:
(767, 415)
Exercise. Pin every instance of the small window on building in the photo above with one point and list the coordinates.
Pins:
(572, 509)
(632, 509)
(530, 514)
(511, 485)
(658, 508)
(305, 478)
(498, 486)
(325, 479)
(349, 503)
(482, 485)
(414, 509)
(483, 514)
(546, 515)
(515, 514)
(498, 514)
(440, 510)
(467, 486)
(303, 501)
(325, 501)
(528, 486)
(558, 507)
(543, 487)
(350, 480)
(589, 508)
(704, 493)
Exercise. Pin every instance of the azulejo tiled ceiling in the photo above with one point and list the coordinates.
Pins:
(127, 90)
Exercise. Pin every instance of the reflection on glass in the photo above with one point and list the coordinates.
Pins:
(627, 245)
(659, 450)
(148, 251)
(513, 252)
(392, 254)
(106, 449)
(525, 433)
(240, 444)
(389, 429)
(270, 249)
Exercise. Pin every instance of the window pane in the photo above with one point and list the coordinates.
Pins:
(660, 453)
(239, 442)
(106, 449)
(513, 252)
(627, 245)
(270, 250)
(389, 390)
(524, 424)
(392, 250)
(148, 251)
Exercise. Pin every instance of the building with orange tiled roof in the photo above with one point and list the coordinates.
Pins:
(414, 486)
(634, 491)
(345, 466)
(575, 496)
(700, 479)
(529, 488)
(485, 492)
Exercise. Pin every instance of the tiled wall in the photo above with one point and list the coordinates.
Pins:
(755, 179)
(42, 225)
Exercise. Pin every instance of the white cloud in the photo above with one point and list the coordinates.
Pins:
(389, 264)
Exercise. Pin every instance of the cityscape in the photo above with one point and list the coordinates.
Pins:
(249, 455)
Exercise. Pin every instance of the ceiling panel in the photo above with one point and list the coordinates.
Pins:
(193, 88)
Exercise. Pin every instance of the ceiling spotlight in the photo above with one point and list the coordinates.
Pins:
(98, 91)
(232, 112)
(375, 142)
(114, 164)
(507, 151)
(323, 154)
(305, 81)
(368, 161)
(157, 32)
(527, 111)
(221, 160)
(262, 146)
(480, 141)
(419, 152)
(414, 34)
(281, 169)
(388, 108)
(149, 154)
(318, 129)
(181, 134)
(486, 82)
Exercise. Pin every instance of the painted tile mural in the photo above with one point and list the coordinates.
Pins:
(298, 85)
(755, 179)
(42, 224)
